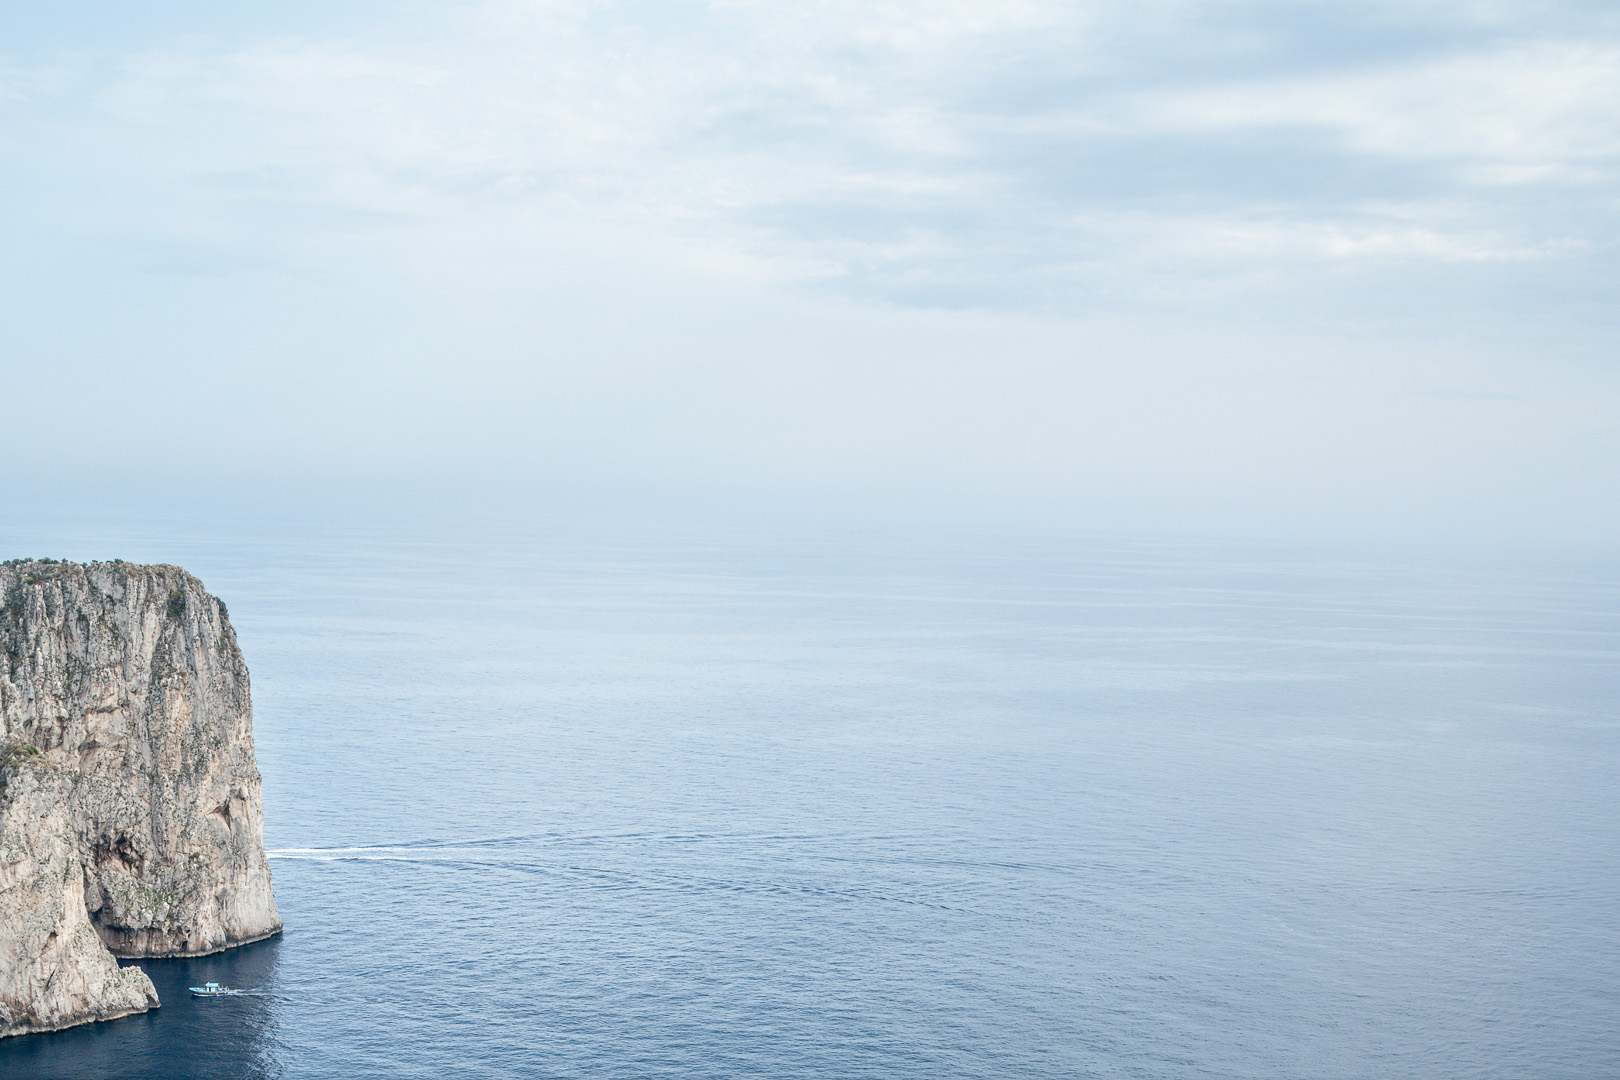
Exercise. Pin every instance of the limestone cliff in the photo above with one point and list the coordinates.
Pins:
(131, 822)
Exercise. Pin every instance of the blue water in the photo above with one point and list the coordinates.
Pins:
(551, 804)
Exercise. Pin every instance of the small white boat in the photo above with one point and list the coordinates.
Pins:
(211, 990)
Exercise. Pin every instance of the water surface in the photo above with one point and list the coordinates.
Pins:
(544, 804)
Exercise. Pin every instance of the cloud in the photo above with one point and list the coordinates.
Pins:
(924, 152)
(1526, 115)
(1085, 246)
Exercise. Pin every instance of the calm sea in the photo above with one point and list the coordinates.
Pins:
(545, 803)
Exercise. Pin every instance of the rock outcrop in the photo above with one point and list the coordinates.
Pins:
(131, 822)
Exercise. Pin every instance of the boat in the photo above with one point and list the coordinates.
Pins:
(211, 990)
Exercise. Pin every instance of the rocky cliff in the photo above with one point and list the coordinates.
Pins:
(131, 822)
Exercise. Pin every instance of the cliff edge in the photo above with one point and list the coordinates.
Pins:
(131, 821)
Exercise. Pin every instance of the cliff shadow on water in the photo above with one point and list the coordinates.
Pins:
(131, 820)
(229, 1037)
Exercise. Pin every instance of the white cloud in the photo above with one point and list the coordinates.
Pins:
(1524, 115)
(899, 142)
(608, 233)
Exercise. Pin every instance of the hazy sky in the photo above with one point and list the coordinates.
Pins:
(1202, 258)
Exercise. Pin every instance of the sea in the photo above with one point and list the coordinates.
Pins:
(617, 801)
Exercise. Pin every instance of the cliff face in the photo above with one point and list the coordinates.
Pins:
(131, 822)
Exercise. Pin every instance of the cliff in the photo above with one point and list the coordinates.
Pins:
(131, 822)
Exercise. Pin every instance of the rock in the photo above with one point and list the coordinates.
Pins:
(131, 822)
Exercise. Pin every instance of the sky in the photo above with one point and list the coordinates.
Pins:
(1234, 260)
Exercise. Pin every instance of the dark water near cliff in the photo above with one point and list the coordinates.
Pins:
(560, 806)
